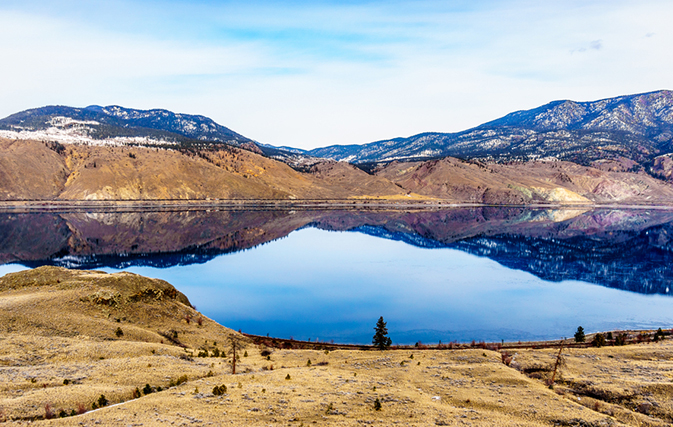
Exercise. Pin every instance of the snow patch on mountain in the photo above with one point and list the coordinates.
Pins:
(77, 135)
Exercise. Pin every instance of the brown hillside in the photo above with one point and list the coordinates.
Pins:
(80, 172)
(33, 170)
(523, 183)
(29, 170)
(59, 354)
(94, 304)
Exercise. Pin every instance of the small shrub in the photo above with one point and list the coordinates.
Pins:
(147, 389)
(199, 320)
(94, 406)
(209, 374)
(308, 363)
(377, 404)
(81, 409)
(579, 335)
(66, 381)
(329, 409)
(245, 354)
(287, 377)
(599, 340)
(659, 333)
(219, 390)
(102, 401)
(621, 339)
(506, 358)
(62, 414)
(73, 413)
(119, 332)
(136, 393)
(48, 412)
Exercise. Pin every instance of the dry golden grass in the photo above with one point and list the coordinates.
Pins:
(74, 340)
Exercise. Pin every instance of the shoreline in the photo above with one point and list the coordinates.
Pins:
(307, 204)
(634, 336)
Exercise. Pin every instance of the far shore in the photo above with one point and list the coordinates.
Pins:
(264, 204)
(633, 336)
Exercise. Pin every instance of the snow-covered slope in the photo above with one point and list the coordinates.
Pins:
(114, 125)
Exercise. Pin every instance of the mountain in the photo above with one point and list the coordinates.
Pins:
(116, 125)
(623, 133)
(94, 172)
(76, 172)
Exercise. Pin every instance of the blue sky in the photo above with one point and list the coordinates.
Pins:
(315, 73)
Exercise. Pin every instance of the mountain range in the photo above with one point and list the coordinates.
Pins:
(613, 150)
(631, 131)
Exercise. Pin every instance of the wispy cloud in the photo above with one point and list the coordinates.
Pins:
(309, 73)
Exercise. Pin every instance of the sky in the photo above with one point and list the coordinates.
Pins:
(315, 73)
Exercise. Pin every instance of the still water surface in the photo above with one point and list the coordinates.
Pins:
(333, 285)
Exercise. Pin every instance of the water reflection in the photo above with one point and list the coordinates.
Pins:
(623, 249)
(456, 274)
(333, 286)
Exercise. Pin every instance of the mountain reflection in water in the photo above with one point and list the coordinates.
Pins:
(623, 249)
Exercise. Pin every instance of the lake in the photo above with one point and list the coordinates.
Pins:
(451, 275)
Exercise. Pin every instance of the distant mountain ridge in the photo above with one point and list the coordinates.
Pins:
(634, 127)
(627, 133)
(117, 124)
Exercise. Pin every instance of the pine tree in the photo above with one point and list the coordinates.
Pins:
(579, 335)
(381, 339)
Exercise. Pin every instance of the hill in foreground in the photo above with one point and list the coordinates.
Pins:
(60, 353)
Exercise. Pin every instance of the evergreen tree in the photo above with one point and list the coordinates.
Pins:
(381, 339)
(579, 335)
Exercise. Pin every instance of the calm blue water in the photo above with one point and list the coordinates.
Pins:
(327, 285)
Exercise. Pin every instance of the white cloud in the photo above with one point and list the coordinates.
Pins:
(319, 74)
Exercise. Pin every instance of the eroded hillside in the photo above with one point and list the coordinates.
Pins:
(31, 170)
